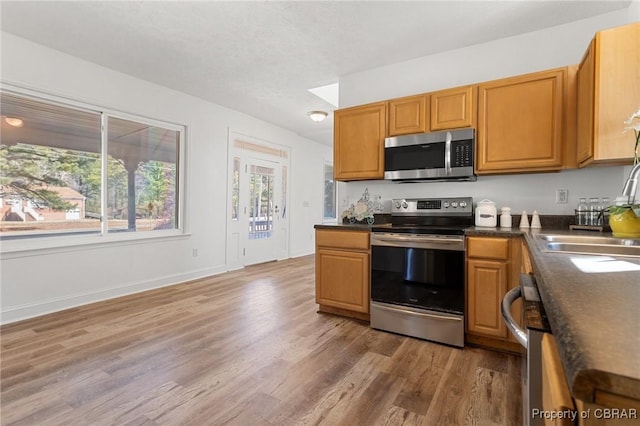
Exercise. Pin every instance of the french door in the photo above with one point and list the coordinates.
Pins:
(262, 212)
(257, 229)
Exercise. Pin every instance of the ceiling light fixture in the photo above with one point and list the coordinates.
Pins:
(13, 121)
(317, 115)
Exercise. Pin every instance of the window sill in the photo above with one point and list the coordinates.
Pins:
(47, 245)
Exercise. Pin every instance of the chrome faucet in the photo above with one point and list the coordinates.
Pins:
(630, 185)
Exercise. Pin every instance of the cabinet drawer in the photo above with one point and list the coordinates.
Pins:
(356, 240)
(488, 248)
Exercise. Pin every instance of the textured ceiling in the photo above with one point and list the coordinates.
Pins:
(262, 57)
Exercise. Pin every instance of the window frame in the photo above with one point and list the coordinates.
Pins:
(329, 220)
(39, 242)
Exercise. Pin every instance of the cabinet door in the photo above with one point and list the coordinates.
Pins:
(342, 279)
(408, 115)
(556, 396)
(612, 95)
(486, 286)
(584, 107)
(452, 108)
(520, 123)
(358, 142)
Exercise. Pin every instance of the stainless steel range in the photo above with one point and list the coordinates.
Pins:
(418, 269)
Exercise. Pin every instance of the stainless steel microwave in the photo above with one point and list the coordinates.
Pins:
(439, 156)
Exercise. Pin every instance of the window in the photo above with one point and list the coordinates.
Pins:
(63, 168)
(330, 195)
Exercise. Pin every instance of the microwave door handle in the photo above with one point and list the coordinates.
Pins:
(447, 154)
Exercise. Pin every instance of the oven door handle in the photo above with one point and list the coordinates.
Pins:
(421, 242)
(508, 300)
(398, 308)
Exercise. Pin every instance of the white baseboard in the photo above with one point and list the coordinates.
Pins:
(11, 314)
(302, 253)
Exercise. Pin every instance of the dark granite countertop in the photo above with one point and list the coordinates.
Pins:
(345, 226)
(594, 318)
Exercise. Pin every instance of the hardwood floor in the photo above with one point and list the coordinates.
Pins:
(242, 348)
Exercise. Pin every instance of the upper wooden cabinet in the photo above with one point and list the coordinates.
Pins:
(521, 123)
(408, 115)
(608, 93)
(452, 108)
(358, 142)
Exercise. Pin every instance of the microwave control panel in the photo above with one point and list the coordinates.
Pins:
(462, 153)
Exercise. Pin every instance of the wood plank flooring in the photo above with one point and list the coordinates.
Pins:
(242, 348)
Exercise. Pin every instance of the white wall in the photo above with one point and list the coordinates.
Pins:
(38, 282)
(554, 47)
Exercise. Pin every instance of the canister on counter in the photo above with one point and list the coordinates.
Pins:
(505, 217)
(486, 214)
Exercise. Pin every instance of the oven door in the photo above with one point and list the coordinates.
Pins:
(418, 271)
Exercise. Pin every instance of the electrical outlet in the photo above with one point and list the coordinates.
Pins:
(562, 196)
(194, 252)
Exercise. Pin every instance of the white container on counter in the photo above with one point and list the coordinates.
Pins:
(486, 214)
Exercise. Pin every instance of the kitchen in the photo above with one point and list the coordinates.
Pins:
(407, 263)
(522, 192)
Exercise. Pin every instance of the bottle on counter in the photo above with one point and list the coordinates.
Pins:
(524, 220)
(505, 217)
(605, 212)
(594, 211)
(581, 212)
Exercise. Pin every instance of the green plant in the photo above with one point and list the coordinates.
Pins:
(613, 210)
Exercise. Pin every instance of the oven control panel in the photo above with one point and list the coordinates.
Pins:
(432, 206)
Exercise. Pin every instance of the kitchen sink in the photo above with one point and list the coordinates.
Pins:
(588, 244)
(590, 239)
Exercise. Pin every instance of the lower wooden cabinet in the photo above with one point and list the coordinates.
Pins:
(343, 272)
(607, 410)
(493, 268)
(487, 284)
(556, 396)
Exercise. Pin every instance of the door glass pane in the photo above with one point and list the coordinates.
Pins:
(235, 190)
(283, 202)
(142, 176)
(261, 182)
